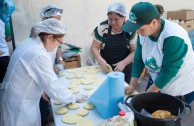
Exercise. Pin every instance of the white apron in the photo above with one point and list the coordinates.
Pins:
(30, 72)
(53, 55)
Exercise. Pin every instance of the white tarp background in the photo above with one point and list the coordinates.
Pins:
(79, 16)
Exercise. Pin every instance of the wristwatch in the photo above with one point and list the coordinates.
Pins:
(59, 59)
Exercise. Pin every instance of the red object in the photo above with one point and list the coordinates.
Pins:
(122, 113)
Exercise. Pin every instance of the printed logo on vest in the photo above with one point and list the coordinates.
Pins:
(151, 63)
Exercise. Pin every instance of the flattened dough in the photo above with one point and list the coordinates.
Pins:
(87, 81)
(71, 76)
(84, 69)
(98, 82)
(134, 92)
(72, 86)
(91, 67)
(88, 76)
(61, 110)
(79, 72)
(75, 81)
(78, 76)
(82, 112)
(70, 118)
(61, 74)
(73, 106)
(85, 122)
(91, 71)
(74, 90)
(88, 87)
(89, 106)
(57, 103)
(72, 70)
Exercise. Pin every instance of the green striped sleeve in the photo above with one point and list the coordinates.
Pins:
(97, 36)
(174, 49)
(138, 64)
(59, 46)
(7, 30)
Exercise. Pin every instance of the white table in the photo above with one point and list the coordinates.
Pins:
(93, 114)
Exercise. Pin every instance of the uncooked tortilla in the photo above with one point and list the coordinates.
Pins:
(82, 112)
(61, 110)
(70, 118)
(88, 87)
(85, 122)
(73, 106)
(89, 106)
(57, 103)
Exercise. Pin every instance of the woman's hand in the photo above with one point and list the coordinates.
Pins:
(129, 89)
(62, 62)
(81, 97)
(153, 88)
(104, 66)
(56, 69)
(120, 66)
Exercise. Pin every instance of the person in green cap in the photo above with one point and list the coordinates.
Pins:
(164, 48)
(116, 47)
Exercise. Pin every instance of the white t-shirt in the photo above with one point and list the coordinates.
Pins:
(3, 44)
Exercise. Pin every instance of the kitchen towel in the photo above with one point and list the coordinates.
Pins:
(108, 95)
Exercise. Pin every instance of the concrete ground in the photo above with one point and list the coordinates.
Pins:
(186, 121)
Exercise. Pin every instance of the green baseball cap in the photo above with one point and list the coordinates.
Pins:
(141, 13)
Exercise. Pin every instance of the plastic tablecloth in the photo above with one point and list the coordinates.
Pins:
(93, 114)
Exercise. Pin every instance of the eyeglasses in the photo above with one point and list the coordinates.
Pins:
(59, 41)
(54, 10)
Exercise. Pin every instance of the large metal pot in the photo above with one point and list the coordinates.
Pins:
(157, 101)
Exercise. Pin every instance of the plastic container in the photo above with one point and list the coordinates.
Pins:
(120, 120)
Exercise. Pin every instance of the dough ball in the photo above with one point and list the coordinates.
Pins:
(109, 68)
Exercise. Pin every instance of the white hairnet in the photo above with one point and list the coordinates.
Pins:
(50, 26)
(118, 7)
(46, 13)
